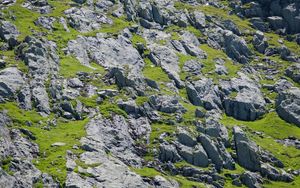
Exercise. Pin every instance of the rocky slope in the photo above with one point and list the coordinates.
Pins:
(160, 93)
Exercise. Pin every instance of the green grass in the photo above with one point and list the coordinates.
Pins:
(273, 128)
(70, 66)
(140, 100)
(106, 108)
(52, 159)
(209, 64)
(271, 124)
(24, 18)
(153, 72)
(151, 172)
(146, 172)
(217, 12)
(138, 39)
(11, 60)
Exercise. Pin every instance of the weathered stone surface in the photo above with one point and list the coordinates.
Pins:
(204, 93)
(11, 80)
(41, 6)
(167, 104)
(288, 105)
(85, 20)
(185, 138)
(247, 151)
(248, 104)
(46, 22)
(293, 72)
(9, 33)
(260, 42)
(169, 62)
(251, 179)
(168, 153)
(113, 135)
(212, 151)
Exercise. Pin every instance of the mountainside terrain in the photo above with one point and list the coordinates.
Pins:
(149, 93)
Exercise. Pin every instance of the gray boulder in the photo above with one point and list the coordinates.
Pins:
(200, 157)
(11, 81)
(41, 6)
(247, 151)
(214, 129)
(9, 33)
(195, 156)
(101, 175)
(166, 104)
(288, 105)
(168, 153)
(251, 179)
(260, 42)
(112, 135)
(248, 105)
(243, 100)
(236, 47)
(185, 138)
(276, 22)
(204, 93)
(45, 22)
(193, 67)
(169, 62)
(272, 173)
(40, 56)
(118, 55)
(197, 19)
(212, 151)
(85, 20)
(162, 182)
(293, 72)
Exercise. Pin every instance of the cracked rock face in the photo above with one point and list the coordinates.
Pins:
(149, 93)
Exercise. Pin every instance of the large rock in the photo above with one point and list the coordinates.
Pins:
(247, 151)
(40, 56)
(260, 42)
(45, 22)
(251, 179)
(288, 105)
(11, 80)
(118, 55)
(166, 104)
(20, 151)
(244, 100)
(248, 105)
(168, 153)
(43, 62)
(197, 19)
(293, 72)
(236, 48)
(113, 135)
(186, 138)
(41, 6)
(101, 175)
(9, 33)
(85, 20)
(195, 156)
(214, 129)
(274, 174)
(212, 151)
(204, 93)
(168, 60)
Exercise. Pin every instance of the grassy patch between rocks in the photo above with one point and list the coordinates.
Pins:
(51, 159)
